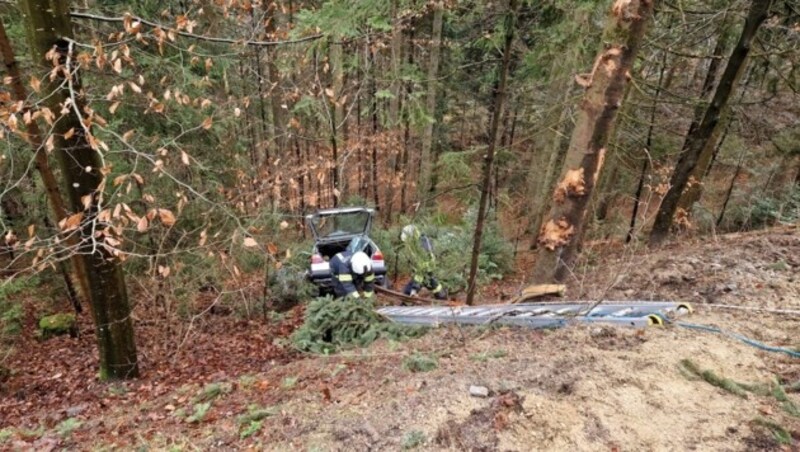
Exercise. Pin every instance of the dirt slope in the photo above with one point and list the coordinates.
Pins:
(577, 388)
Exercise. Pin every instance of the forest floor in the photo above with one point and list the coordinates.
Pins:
(237, 385)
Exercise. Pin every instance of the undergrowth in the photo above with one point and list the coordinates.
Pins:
(332, 325)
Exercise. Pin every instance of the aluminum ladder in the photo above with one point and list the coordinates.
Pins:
(540, 315)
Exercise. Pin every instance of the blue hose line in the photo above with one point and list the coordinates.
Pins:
(745, 339)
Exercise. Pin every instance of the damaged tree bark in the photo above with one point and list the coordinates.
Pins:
(558, 238)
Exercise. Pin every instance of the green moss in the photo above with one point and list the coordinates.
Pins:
(57, 325)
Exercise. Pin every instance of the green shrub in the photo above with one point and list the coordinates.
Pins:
(67, 426)
(288, 286)
(764, 211)
(420, 363)
(331, 325)
(200, 411)
(412, 440)
(452, 244)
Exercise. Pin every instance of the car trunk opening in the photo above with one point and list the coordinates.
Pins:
(340, 225)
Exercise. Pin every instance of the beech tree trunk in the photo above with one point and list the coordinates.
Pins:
(49, 28)
(698, 140)
(558, 238)
(425, 166)
(494, 135)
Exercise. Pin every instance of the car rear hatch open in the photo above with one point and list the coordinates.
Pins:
(340, 225)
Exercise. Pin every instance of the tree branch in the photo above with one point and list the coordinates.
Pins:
(79, 15)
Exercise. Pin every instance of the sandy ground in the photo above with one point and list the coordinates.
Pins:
(576, 388)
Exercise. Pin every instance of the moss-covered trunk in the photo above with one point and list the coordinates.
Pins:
(50, 34)
(559, 237)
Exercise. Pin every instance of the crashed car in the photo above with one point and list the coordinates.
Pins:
(334, 231)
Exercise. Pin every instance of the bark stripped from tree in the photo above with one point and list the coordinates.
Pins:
(494, 136)
(49, 34)
(697, 141)
(605, 87)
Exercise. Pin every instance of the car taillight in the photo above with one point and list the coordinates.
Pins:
(378, 256)
(316, 259)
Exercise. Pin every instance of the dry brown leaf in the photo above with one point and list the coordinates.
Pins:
(166, 217)
(72, 222)
(36, 84)
(207, 123)
(142, 224)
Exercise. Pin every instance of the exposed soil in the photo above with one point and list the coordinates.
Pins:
(577, 388)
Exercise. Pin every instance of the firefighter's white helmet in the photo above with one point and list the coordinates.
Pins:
(409, 232)
(360, 263)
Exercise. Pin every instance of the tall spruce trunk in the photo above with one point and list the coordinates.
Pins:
(336, 114)
(35, 138)
(648, 147)
(693, 192)
(558, 238)
(494, 136)
(49, 28)
(425, 166)
(276, 89)
(697, 141)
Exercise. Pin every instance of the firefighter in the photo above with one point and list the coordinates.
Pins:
(351, 272)
(417, 249)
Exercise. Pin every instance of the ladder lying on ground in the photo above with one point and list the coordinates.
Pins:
(540, 315)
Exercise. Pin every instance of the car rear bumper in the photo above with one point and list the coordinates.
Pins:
(325, 281)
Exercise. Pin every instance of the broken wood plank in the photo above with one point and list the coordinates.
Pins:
(540, 290)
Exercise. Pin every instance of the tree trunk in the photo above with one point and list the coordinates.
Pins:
(405, 157)
(425, 167)
(374, 167)
(693, 192)
(34, 137)
(275, 89)
(697, 141)
(558, 238)
(494, 132)
(648, 147)
(396, 46)
(730, 187)
(49, 27)
(336, 113)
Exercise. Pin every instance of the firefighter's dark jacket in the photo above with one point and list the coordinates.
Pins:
(346, 282)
